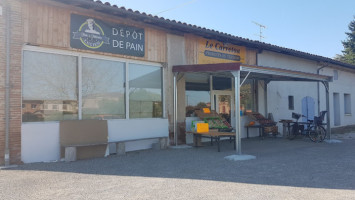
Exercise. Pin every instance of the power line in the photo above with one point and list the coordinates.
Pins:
(178, 6)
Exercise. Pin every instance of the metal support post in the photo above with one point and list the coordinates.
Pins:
(175, 109)
(329, 131)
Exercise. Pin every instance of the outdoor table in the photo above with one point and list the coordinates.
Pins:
(260, 127)
(286, 123)
(213, 136)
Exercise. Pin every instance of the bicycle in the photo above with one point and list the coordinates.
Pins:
(315, 130)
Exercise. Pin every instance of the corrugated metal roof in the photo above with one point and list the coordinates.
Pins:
(107, 8)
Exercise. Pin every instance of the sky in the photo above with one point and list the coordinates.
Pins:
(312, 26)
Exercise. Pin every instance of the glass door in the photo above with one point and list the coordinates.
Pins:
(223, 104)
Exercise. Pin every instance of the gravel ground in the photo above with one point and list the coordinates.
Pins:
(283, 169)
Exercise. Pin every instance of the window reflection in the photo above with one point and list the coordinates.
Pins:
(51, 88)
(49, 79)
(247, 96)
(145, 91)
(103, 89)
(196, 100)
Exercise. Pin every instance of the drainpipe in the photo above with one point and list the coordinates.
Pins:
(175, 109)
(7, 87)
(318, 95)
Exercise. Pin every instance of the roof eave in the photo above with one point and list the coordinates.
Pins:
(187, 28)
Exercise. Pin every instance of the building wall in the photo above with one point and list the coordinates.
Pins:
(176, 56)
(11, 15)
(191, 51)
(278, 92)
(342, 86)
(47, 24)
(2, 83)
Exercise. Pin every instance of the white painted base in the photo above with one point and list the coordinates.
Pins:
(7, 167)
(331, 141)
(240, 157)
(180, 147)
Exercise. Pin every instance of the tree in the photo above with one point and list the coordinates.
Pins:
(348, 55)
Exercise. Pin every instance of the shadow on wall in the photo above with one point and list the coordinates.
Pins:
(344, 129)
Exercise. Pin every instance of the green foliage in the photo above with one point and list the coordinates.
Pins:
(348, 55)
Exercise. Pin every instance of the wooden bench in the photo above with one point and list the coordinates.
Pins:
(214, 136)
(71, 150)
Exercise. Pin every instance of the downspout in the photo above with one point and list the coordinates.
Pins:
(329, 130)
(318, 93)
(7, 87)
(175, 109)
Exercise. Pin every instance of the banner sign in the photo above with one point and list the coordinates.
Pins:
(213, 51)
(93, 34)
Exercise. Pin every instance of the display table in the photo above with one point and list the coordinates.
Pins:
(260, 127)
(286, 126)
(213, 135)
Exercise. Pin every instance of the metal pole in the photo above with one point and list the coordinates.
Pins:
(265, 97)
(212, 94)
(318, 92)
(175, 110)
(329, 131)
(7, 87)
(238, 141)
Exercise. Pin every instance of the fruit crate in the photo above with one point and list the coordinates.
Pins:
(215, 123)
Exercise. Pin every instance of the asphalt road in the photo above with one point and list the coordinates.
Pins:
(283, 169)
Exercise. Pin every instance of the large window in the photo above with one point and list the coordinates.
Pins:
(103, 89)
(197, 93)
(55, 85)
(145, 91)
(49, 79)
(247, 96)
(196, 100)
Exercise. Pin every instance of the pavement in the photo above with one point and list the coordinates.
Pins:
(283, 169)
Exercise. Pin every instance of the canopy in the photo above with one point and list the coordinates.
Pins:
(240, 71)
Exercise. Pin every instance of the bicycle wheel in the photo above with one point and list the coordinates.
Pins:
(317, 133)
(322, 133)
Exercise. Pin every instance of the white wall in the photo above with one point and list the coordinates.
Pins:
(278, 92)
(40, 141)
(344, 85)
(132, 129)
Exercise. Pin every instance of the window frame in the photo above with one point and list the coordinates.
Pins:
(127, 89)
(347, 108)
(291, 102)
(80, 56)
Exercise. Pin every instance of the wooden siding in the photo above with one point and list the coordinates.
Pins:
(191, 50)
(250, 57)
(48, 25)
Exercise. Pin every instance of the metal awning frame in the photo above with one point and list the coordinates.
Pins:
(238, 71)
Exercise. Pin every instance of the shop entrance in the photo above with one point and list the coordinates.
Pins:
(223, 104)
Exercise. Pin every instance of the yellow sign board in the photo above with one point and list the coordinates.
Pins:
(213, 51)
